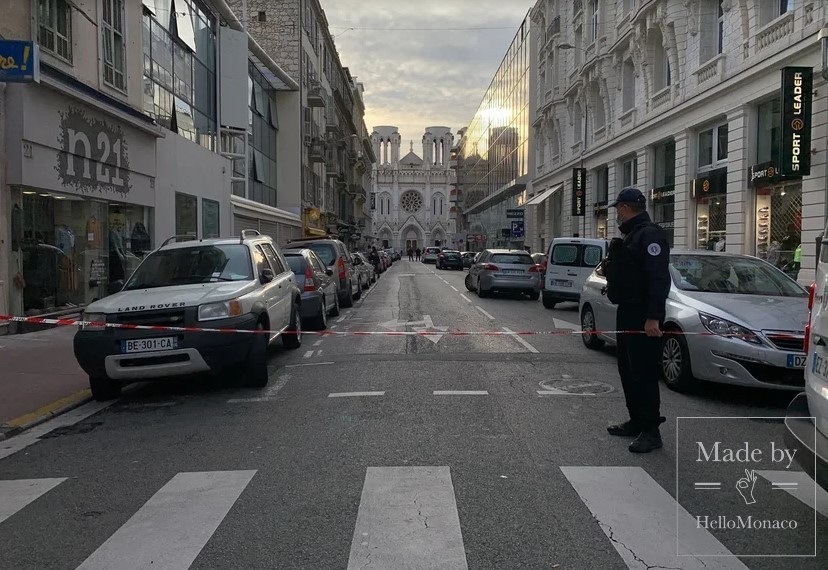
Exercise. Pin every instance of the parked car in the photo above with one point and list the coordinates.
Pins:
(430, 254)
(570, 262)
(468, 258)
(751, 317)
(366, 270)
(318, 286)
(334, 254)
(541, 259)
(504, 270)
(448, 259)
(806, 420)
(236, 283)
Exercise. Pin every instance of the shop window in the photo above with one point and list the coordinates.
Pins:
(186, 215)
(114, 47)
(54, 32)
(769, 131)
(601, 178)
(211, 227)
(664, 179)
(779, 226)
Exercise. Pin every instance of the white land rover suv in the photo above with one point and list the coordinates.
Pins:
(230, 283)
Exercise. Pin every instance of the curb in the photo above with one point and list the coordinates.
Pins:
(18, 425)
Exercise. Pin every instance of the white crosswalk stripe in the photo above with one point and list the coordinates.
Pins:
(172, 527)
(639, 517)
(17, 493)
(802, 487)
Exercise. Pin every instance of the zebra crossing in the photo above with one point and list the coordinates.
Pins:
(407, 518)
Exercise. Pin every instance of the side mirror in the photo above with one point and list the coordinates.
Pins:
(329, 272)
(266, 276)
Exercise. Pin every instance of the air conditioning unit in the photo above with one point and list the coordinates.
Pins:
(307, 140)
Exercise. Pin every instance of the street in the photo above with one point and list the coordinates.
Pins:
(383, 451)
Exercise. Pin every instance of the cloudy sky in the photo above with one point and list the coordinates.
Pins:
(415, 79)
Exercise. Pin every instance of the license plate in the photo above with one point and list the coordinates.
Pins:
(819, 366)
(149, 344)
(512, 272)
(797, 360)
(562, 283)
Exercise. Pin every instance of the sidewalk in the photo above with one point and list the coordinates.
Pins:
(38, 377)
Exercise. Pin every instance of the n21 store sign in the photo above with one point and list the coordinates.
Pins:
(797, 101)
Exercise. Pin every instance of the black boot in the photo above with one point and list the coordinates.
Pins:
(626, 429)
(647, 440)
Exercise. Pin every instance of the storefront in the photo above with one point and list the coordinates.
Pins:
(599, 208)
(81, 196)
(663, 194)
(778, 217)
(710, 195)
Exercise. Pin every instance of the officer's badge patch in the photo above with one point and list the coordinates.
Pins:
(654, 249)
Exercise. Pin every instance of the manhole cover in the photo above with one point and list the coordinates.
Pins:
(585, 387)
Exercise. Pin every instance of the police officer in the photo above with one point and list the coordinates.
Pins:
(638, 281)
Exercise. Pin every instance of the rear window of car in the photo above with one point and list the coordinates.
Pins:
(325, 251)
(592, 256)
(513, 259)
(296, 263)
(451, 254)
(432, 250)
(565, 254)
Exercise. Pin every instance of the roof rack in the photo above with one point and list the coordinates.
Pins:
(189, 237)
(245, 232)
(314, 238)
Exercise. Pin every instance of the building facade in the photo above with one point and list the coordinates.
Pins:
(411, 193)
(335, 152)
(681, 98)
(138, 128)
(492, 160)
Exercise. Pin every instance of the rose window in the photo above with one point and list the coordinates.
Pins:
(411, 201)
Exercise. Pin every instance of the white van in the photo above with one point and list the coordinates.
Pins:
(570, 262)
(807, 416)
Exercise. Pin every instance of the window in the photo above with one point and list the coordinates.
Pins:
(595, 19)
(662, 74)
(273, 258)
(592, 256)
(186, 215)
(712, 146)
(602, 185)
(260, 259)
(598, 113)
(769, 131)
(210, 218)
(577, 124)
(629, 172)
(665, 164)
(262, 16)
(114, 49)
(579, 46)
(262, 137)
(190, 265)
(54, 32)
(720, 28)
(628, 85)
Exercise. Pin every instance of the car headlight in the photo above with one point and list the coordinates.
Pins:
(220, 310)
(93, 318)
(723, 327)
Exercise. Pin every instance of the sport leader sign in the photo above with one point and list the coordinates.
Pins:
(578, 191)
(797, 99)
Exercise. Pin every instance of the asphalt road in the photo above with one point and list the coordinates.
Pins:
(397, 452)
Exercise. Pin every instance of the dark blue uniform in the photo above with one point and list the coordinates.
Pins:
(638, 281)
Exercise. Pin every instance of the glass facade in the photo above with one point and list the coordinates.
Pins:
(180, 69)
(494, 154)
(262, 128)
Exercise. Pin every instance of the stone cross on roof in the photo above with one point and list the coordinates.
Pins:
(412, 146)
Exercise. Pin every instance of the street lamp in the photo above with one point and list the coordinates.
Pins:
(567, 46)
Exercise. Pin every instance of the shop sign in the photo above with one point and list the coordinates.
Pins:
(94, 154)
(663, 195)
(578, 191)
(517, 229)
(715, 182)
(764, 174)
(19, 61)
(797, 99)
(514, 214)
(600, 209)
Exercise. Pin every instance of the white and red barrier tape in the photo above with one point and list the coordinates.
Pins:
(554, 332)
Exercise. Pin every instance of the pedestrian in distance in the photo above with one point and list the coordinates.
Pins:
(410, 254)
(417, 251)
(638, 281)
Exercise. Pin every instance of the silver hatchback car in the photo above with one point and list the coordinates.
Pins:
(504, 270)
(750, 319)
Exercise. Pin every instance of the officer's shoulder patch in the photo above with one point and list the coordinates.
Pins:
(654, 249)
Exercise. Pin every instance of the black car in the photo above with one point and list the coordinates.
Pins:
(449, 259)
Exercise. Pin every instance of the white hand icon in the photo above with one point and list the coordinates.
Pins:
(745, 486)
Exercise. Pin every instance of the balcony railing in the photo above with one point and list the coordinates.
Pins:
(317, 96)
(661, 97)
(775, 31)
(316, 152)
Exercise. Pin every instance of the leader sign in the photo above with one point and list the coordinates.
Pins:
(797, 98)
(578, 191)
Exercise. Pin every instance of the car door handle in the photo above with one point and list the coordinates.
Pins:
(603, 290)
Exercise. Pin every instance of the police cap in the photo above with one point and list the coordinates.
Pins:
(629, 195)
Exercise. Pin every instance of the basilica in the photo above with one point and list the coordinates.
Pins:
(411, 194)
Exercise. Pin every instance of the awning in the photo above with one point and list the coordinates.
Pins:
(543, 196)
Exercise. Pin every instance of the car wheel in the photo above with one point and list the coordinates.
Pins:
(549, 302)
(534, 295)
(590, 340)
(293, 337)
(675, 363)
(320, 322)
(349, 298)
(468, 283)
(358, 293)
(482, 293)
(255, 373)
(104, 388)
(335, 310)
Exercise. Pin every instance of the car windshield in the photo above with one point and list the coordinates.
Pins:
(513, 258)
(188, 265)
(296, 263)
(730, 274)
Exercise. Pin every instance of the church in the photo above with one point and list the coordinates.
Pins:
(410, 195)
